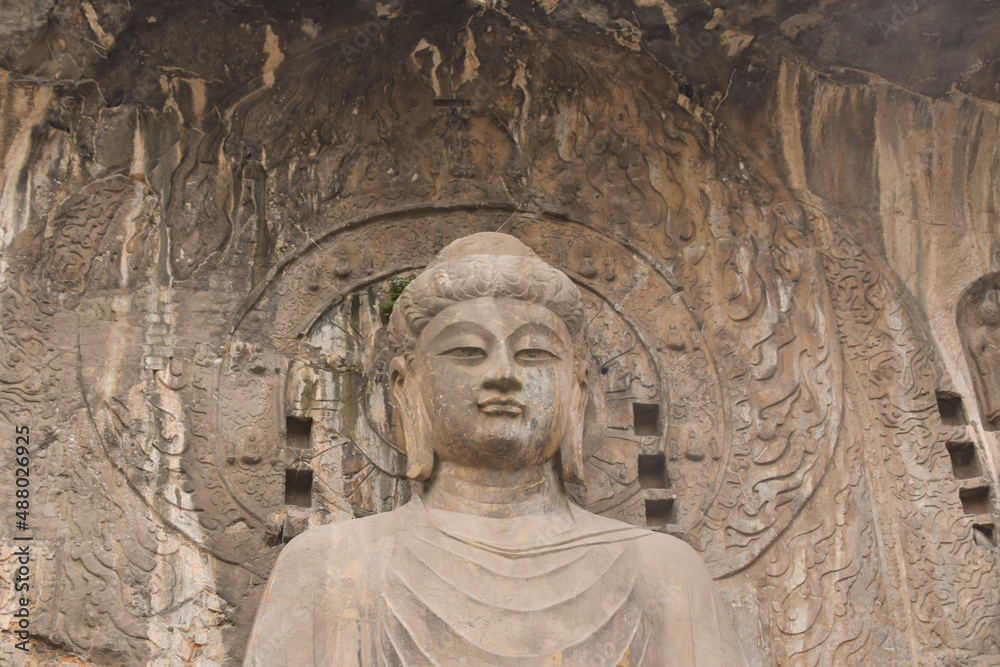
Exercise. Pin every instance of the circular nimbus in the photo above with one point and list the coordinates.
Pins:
(308, 348)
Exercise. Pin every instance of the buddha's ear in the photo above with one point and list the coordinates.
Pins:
(571, 450)
(404, 392)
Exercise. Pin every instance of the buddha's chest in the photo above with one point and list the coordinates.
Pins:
(572, 607)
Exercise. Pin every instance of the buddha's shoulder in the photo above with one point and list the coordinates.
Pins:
(657, 551)
(353, 539)
(668, 561)
(679, 552)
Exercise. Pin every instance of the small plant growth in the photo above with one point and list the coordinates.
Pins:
(396, 286)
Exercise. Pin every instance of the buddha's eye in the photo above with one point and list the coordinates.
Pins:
(465, 353)
(534, 354)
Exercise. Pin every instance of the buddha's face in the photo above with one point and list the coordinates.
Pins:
(498, 383)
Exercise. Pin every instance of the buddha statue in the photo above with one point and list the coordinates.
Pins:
(490, 563)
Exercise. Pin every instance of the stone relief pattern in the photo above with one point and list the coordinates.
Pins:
(781, 362)
(356, 461)
(87, 566)
(631, 363)
(142, 426)
(121, 600)
(112, 582)
(774, 352)
(755, 335)
(763, 310)
(285, 311)
(895, 371)
(204, 508)
(823, 573)
(78, 249)
(249, 381)
(786, 411)
(40, 139)
(816, 573)
(827, 629)
(39, 365)
(327, 273)
(623, 371)
(778, 376)
(828, 586)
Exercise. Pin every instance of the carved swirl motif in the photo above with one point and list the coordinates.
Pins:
(765, 390)
(894, 372)
(657, 356)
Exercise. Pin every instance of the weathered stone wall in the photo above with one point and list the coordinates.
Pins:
(784, 258)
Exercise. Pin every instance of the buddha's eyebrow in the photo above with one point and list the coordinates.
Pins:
(463, 327)
(536, 327)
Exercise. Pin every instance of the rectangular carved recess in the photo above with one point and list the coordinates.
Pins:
(652, 471)
(659, 512)
(298, 487)
(950, 408)
(975, 500)
(645, 418)
(964, 461)
(298, 432)
(985, 535)
(451, 102)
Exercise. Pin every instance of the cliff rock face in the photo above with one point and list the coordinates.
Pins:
(784, 222)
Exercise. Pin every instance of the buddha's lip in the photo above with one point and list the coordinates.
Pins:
(501, 406)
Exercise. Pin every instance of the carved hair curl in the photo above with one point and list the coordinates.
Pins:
(474, 276)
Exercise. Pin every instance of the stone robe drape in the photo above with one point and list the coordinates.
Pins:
(413, 587)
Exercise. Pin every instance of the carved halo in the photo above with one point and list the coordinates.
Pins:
(658, 445)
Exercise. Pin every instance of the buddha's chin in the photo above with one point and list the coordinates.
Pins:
(512, 449)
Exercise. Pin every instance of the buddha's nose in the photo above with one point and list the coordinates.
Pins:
(502, 373)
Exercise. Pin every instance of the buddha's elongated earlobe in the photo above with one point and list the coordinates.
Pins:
(416, 434)
(414, 422)
(571, 449)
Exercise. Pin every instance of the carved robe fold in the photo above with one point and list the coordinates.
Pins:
(413, 587)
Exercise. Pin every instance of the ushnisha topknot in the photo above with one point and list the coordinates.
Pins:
(487, 264)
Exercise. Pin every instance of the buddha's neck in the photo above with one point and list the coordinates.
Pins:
(495, 494)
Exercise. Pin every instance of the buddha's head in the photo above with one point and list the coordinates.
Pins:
(487, 372)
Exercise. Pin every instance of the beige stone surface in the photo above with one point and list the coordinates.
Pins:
(490, 563)
(782, 220)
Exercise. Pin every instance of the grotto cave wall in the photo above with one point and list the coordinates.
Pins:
(784, 219)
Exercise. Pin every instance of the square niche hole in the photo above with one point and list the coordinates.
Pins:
(975, 501)
(645, 418)
(298, 487)
(659, 512)
(652, 471)
(950, 408)
(964, 461)
(298, 432)
(985, 535)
